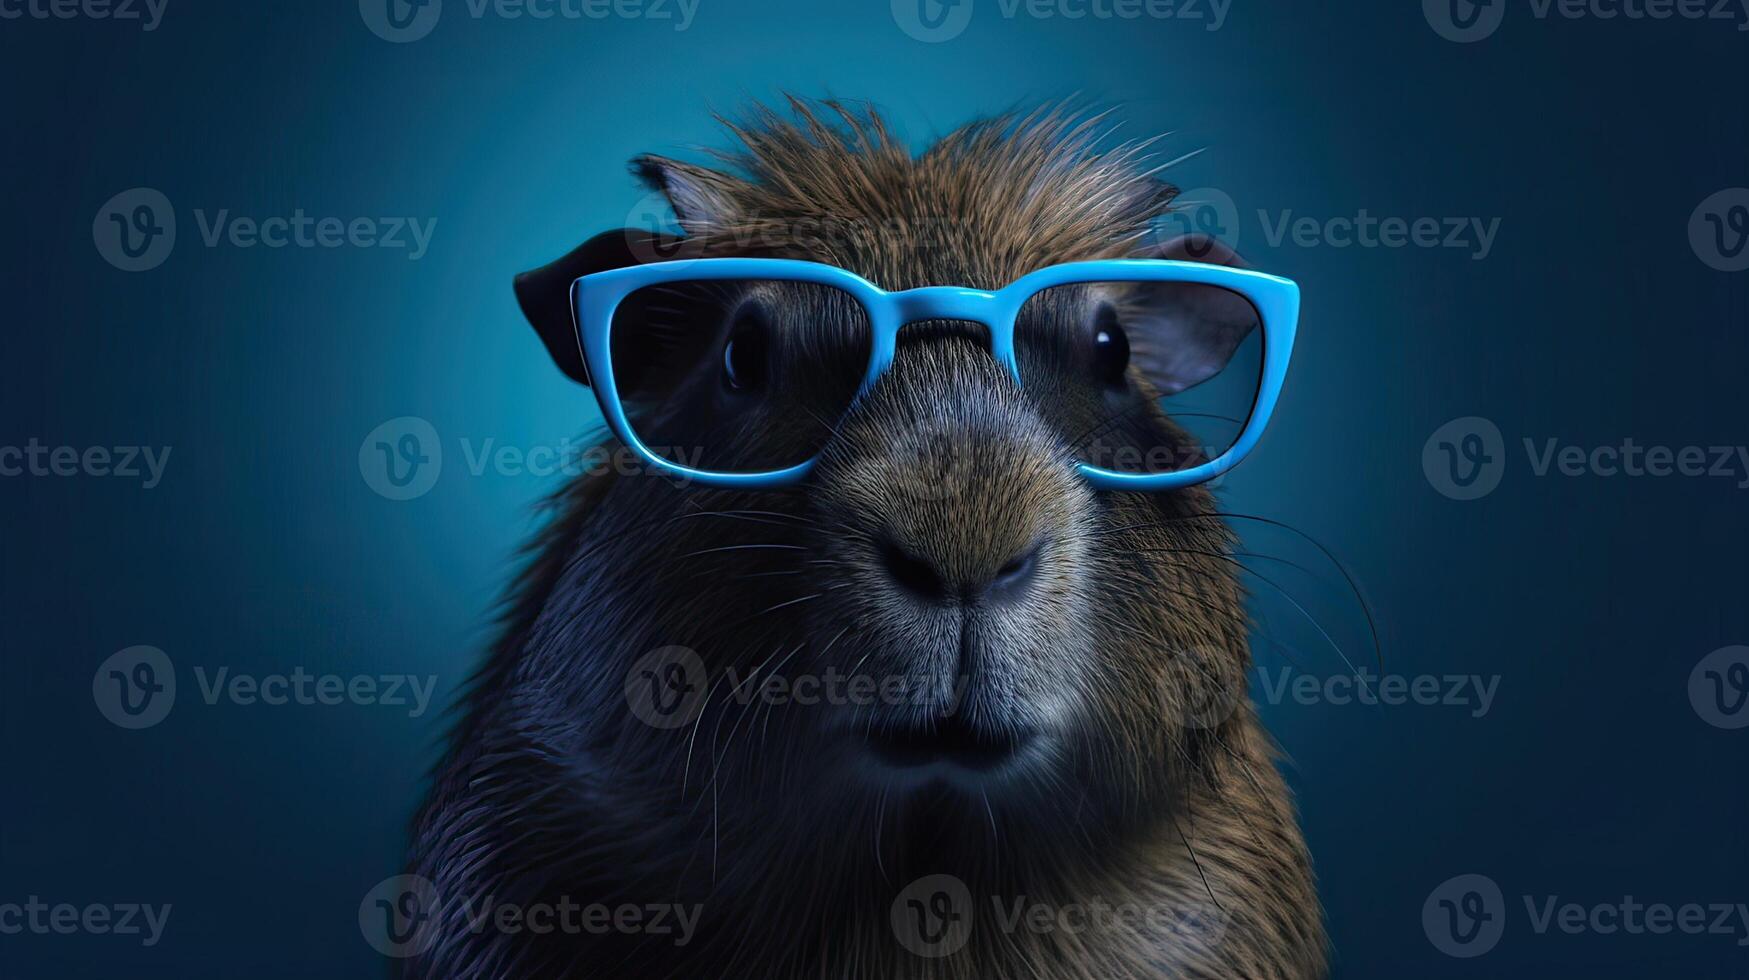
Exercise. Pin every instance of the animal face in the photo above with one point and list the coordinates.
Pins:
(1010, 630)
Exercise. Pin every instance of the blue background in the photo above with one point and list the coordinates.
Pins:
(264, 549)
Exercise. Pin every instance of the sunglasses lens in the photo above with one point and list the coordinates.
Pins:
(1145, 377)
(738, 376)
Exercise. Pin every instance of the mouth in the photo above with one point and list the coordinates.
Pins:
(953, 742)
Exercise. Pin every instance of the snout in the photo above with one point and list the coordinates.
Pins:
(957, 532)
(925, 578)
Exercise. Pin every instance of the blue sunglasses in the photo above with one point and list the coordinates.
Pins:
(596, 298)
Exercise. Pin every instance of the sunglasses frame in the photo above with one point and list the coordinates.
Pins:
(595, 298)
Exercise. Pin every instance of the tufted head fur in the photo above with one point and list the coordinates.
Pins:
(1052, 703)
(982, 207)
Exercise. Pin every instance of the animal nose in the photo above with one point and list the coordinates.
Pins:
(911, 571)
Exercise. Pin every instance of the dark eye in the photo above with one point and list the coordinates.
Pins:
(1111, 348)
(744, 356)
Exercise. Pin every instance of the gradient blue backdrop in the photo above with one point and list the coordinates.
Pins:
(264, 549)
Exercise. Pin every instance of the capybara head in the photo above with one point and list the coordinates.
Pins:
(942, 643)
(943, 602)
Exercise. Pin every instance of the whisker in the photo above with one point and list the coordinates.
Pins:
(1284, 593)
(744, 547)
(1347, 576)
(791, 602)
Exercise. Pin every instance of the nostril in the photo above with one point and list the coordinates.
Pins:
(911, 572)
(1014, 576)
(921, 578)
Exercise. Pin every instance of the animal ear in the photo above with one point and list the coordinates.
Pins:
(545, 293)
(1182, 334)
(700, 197)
